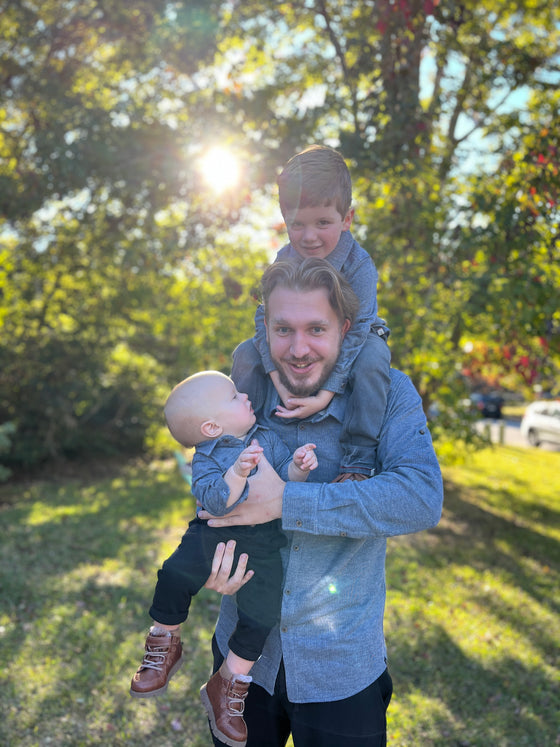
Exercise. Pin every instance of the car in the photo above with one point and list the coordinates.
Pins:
(488, 404)
(541, 422)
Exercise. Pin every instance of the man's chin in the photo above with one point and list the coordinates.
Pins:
(299, 386)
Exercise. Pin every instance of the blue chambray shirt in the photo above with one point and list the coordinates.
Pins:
(331, 629)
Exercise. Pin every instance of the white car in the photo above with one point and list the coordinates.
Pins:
(541, 422)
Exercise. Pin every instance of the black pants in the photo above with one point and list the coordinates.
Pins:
(186, 571)
(358, 721)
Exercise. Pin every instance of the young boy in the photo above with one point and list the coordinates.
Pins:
(207, 412)
(315, 192)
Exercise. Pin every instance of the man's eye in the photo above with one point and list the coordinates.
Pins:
(282, 330)
(317, 330)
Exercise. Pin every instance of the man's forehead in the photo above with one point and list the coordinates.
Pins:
(287, 303)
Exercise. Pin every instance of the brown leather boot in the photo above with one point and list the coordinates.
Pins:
(223, 696)
(358, 476)
(162, 658)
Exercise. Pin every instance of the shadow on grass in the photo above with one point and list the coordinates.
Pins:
(500, 703)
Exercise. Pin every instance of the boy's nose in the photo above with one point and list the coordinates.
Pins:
(308, 236)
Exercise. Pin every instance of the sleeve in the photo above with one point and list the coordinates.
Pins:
(209, 486)
(363, 279)
(405, 496)
(259, 339)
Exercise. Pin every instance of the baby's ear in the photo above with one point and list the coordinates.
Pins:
(211, 429)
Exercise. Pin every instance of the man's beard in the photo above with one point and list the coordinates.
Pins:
(303, 389)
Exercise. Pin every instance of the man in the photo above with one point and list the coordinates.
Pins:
(323, 673)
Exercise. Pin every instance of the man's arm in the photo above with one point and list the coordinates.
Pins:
(405, 496)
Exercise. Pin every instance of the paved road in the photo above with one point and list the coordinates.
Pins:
(507, 432)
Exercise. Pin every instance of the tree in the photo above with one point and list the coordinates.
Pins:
(410, 90)
(101, 200)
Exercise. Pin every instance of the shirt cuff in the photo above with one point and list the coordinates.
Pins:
(299, 507)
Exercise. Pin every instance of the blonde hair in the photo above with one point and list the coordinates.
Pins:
(311, 274)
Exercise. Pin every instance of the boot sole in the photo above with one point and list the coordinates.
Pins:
(153, 693)
(212, 720)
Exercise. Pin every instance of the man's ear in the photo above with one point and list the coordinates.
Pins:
(345, 327)
(266, 330)
(210, 429)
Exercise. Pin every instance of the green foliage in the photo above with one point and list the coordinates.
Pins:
(116, 276)
(471, 619)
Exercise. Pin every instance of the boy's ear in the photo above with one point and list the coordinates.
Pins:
(211, 429)
(348, 218)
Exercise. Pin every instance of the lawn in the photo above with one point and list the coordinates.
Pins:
(472, 619)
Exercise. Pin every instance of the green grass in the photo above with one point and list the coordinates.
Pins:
(472, 617)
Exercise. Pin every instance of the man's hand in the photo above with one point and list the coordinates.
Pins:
(220, 579)
(263, 504)
(303, 407)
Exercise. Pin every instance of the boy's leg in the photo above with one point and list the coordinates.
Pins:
(248, 373)
(267, 721)
(368, 384)
(180, 578)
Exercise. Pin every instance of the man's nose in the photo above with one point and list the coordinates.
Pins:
(299, 347)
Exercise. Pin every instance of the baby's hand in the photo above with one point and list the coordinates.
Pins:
(248, 459)
(305, 457)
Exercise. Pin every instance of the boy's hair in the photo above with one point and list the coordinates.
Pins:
(317, 176)
(309, 275)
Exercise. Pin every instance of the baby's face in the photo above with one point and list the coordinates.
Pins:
(233, 410)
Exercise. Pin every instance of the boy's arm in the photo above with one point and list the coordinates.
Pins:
(363, 280)
(219, 492)
(236, 476)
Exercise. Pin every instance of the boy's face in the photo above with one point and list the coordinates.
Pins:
(315, 231)
(231, 409)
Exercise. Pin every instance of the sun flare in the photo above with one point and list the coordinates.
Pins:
(220, 169)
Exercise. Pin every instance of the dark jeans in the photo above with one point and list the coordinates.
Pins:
(186, 571)
(358, 721)
(368, 385)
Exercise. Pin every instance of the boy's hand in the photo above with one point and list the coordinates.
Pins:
(248, 459)
(305, 457)
(303, 407)
(283, 393)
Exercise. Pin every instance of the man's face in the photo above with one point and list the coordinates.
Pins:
(304, 335)
(315, 231)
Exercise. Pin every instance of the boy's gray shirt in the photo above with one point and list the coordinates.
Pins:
(356, 265)
(331, 629)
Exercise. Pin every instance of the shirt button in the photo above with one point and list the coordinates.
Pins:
(296, 548)
(284, 629)
(299, 523)
(287, 591)
(343, 534)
